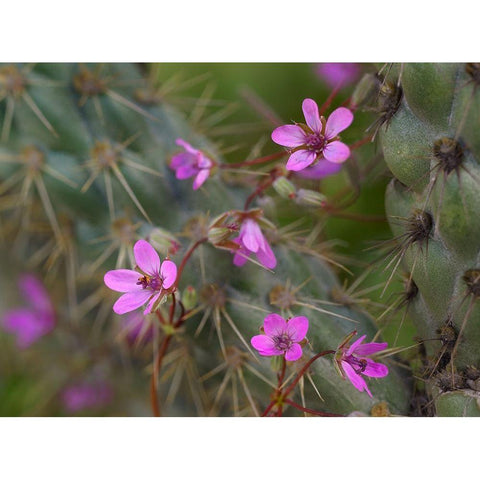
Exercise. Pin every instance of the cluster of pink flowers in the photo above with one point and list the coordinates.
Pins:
(32, 322)
(149, 285)
(317, 140)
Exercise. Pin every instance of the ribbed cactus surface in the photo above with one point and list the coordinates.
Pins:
(431, 145)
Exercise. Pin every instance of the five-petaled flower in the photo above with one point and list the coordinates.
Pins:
(281, 337)
(154, 280)
(32, 322)
(353, 362)
(191, 162)
(316, 140)
(252, 240)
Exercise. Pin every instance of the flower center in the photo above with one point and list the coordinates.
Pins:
(358, 364)
(315, 142)
(154, 283)
(282, 342)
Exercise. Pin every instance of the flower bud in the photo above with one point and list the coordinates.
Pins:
(218, 235)
(310, 198)
(189, 298)
(365, 91)
(164, 241)
(285, 188)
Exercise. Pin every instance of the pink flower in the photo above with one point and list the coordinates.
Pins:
(338, 74)
(353, 362)
(281, 337)
(191, 162)
(149, 285)
(32, 322)
(83, 395)
(251, 240)
(316, 140)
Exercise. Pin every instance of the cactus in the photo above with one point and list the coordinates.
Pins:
(430, 143)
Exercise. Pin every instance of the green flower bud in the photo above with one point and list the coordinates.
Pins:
(189, 298)
(285, 188)
(310, 198)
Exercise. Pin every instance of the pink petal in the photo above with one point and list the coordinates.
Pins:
(241, 255)
(35, 293)
(266, 256)
(168, 272)
(28, 326)
(264, 345)
(131, 301)
(336, 152)
(251, 235)
(297, 328)
(203, 161)
(146, 257)
(300, 159)
(338, 121)
(182, 160)
(374, 369)
(310, 110)
(182, 143)
(200, 178)
(370, 348)
(122, 280)
(151, 303)
(336, 74)
(351, 350)
(289, 136)
(323, 168)
(293, 353)
(274, 325)
(186, 171)
(357, 381)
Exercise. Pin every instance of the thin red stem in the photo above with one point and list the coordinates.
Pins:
(187, 256)
(303, 371)
(257, 161)
(309, 410)
(156, 369)
(329, 100)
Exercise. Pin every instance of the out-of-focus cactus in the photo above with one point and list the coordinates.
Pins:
(429, 132)
(85, 172)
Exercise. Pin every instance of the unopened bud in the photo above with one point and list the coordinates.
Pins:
(217, 235)
(365, 91)
(285, 188)
(164, 241)
(189, 298)
(310, 198)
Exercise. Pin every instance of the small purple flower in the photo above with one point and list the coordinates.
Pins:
(281, 337)
(338, 74)
(83, 395)
(36, 320)
(353, 362)
(153, 281)
(252, 240)
(316, 140)
(191, 162)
